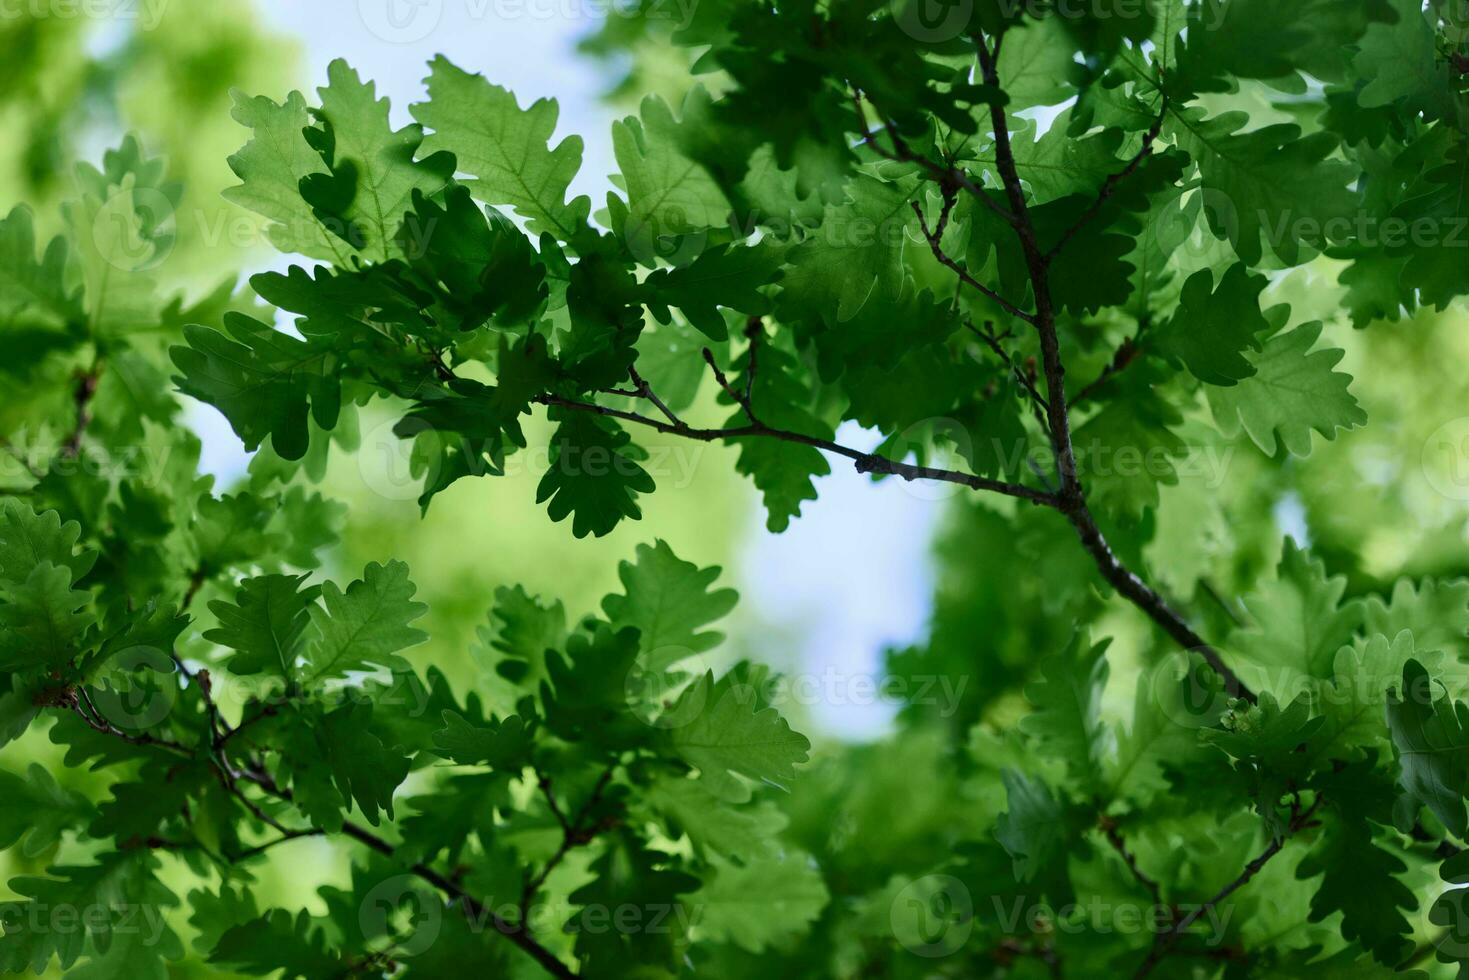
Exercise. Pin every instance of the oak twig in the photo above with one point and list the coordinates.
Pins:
(1109, 186)
(863, 462)
(1071, 496)
(933, 237)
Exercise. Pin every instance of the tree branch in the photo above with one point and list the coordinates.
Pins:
(950, 176)
(1071, 497)
(516, 933)
(229, 733)
(1165, 940)
(574, 834)
(754, 333)
(902, 153)
(1126, 353)
(992, 340)
(863, 462)
(645, 390)
(288, 835)
(86, 388)
(742, 401)
(75, 701)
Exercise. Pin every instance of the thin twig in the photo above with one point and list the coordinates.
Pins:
(85, 390)
(992, 340)
(1110, 184)
(287, 836)
(741, 401)
(1114, 837)
(1212, 593)
(228, 779)
(197, 579)
(1300, 819)
(206, 690)
(515, 932)
(932, 237)
(646, 391)
(863, 462)
(101, 724)
(754, 332)
(574, 834)
(1425, 950)
(544, 784)
(224, 739)
(1126, 353)
(901, 153)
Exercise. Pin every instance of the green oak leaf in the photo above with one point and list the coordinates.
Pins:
(365, 626)
(504, 148)
(595, 475)
(761, 903)
(264, 381)
(1291, 392)
(1215, 325)
(721, 730)
(668, 600)
(1431, 736)
(265, 624)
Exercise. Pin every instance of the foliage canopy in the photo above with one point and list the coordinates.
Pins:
(1055, 254)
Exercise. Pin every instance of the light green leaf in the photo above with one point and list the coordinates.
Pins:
(760, 904)
(712, 825)
(43, 622)
(366, 626)
(1298, 623)
(1290, 393)
(264, 624)
(373, 173)
(668, 600)
(857, 256)
(28, 539)
(505, 148)
(271, 167)
(668, 195)
(727, 733)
